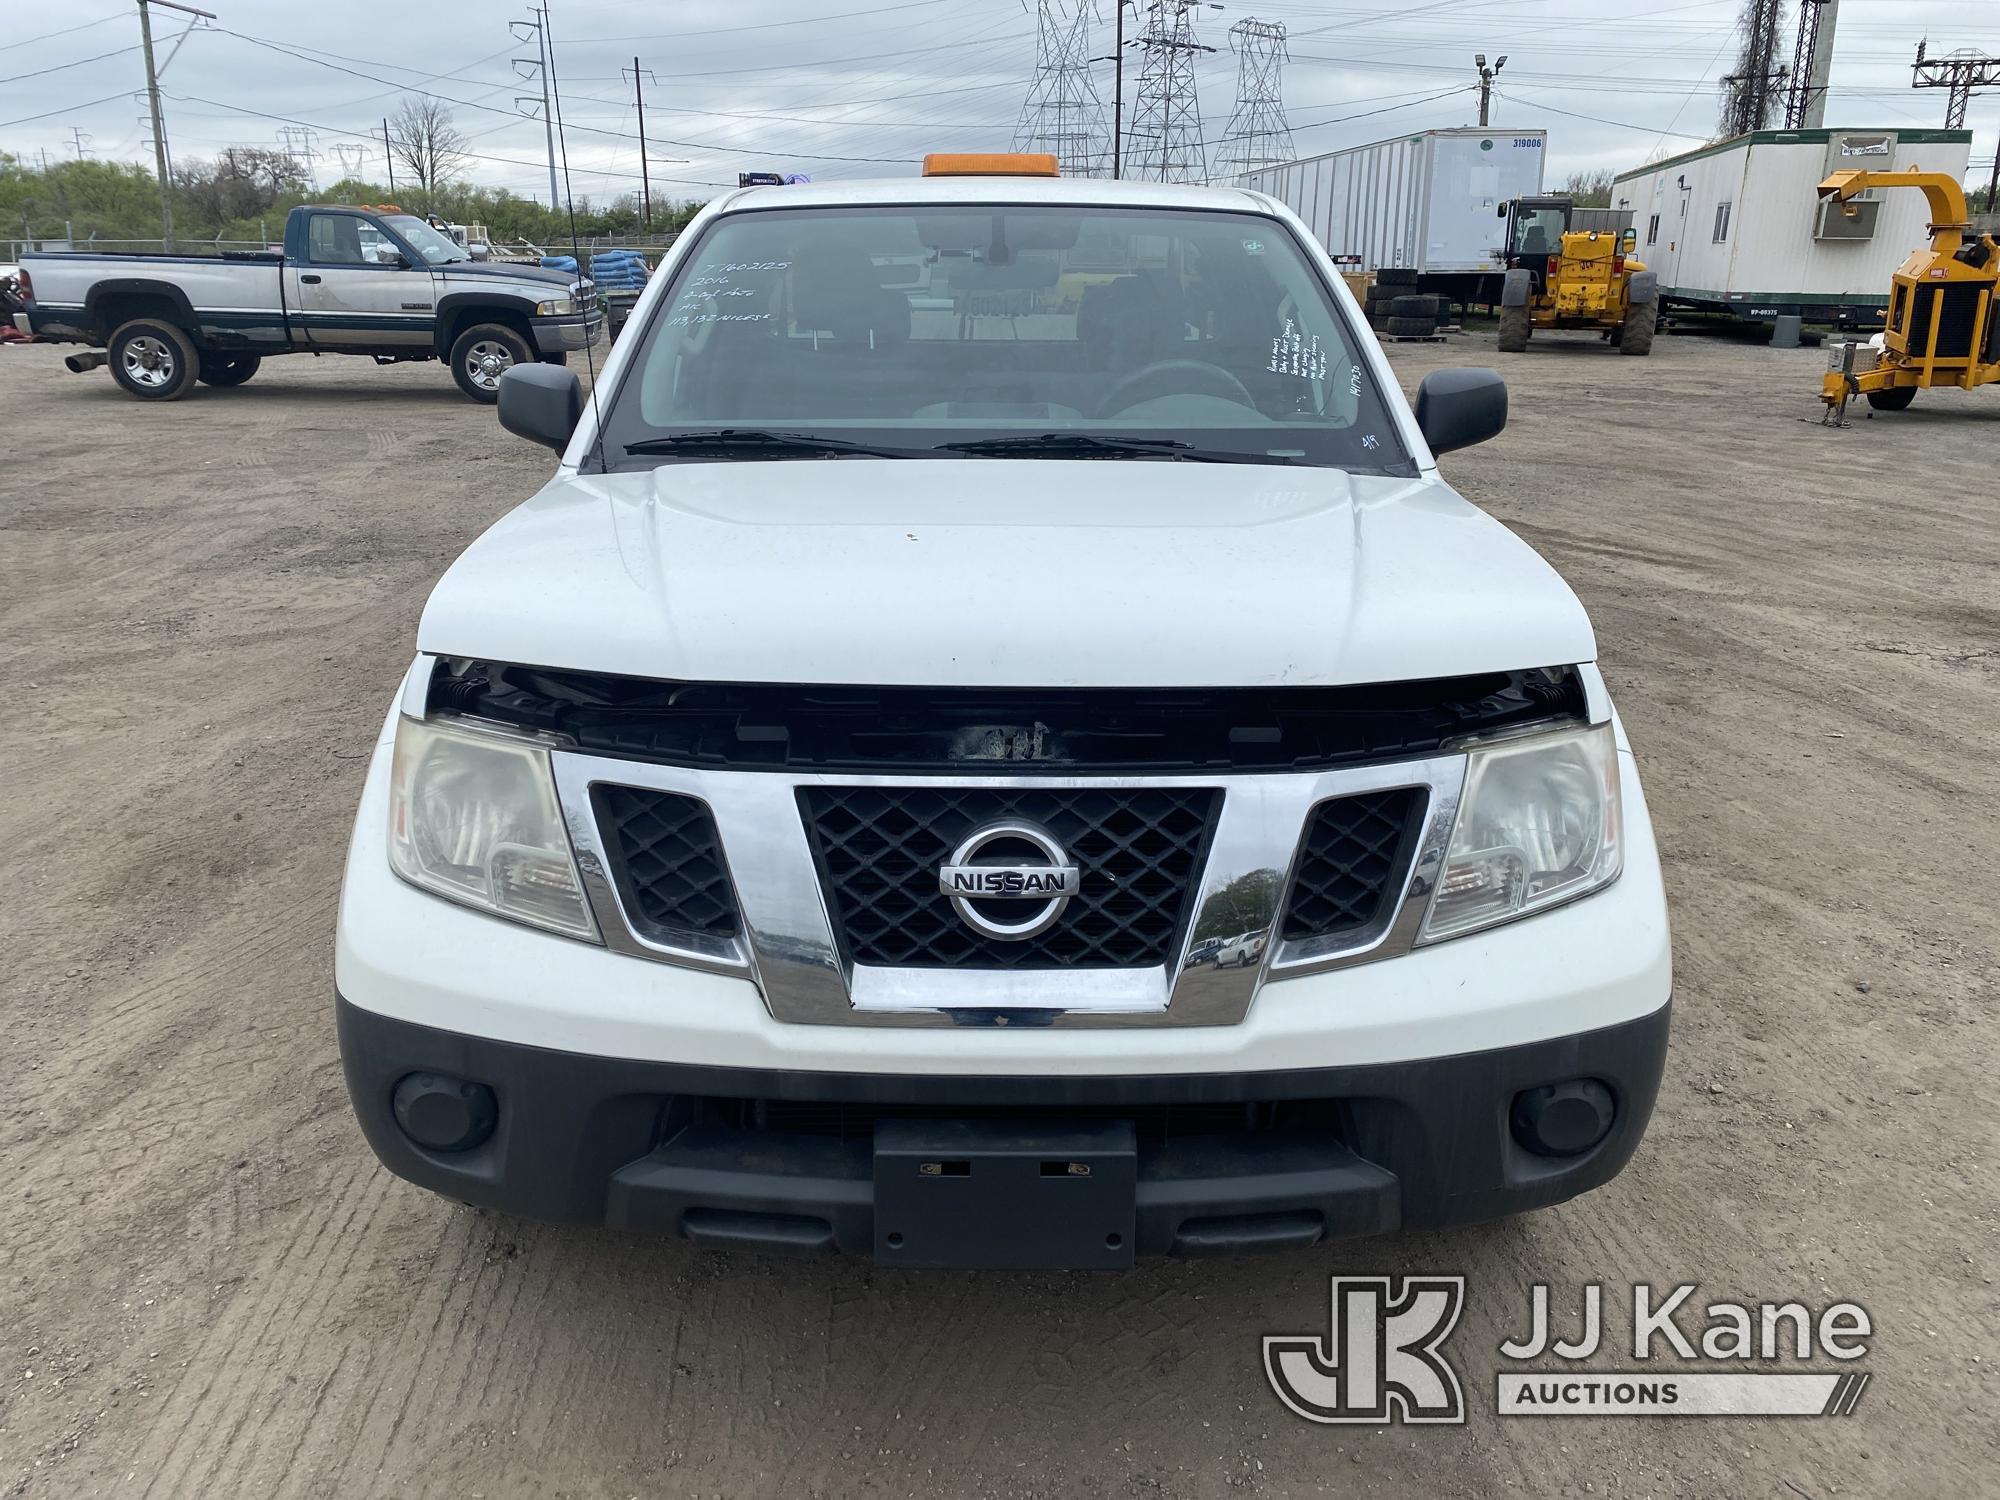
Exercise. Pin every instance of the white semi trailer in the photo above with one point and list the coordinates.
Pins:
(1428, 202)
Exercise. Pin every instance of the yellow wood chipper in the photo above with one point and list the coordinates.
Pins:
(1942, 329)
(1558, 277)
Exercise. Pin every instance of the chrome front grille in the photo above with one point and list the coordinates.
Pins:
(838, 920)
(879, 849)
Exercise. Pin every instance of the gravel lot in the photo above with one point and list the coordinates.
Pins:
(207, 1286)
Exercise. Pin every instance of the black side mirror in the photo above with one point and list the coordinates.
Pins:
(1455, 408)
(543, 403)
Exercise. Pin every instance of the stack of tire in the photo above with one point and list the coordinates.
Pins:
(618, 270)
(1397, 308)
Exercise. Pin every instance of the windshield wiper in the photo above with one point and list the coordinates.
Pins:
(1091, 445)
(747, 442)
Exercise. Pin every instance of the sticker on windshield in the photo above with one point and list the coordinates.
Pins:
(1295, 354)
(1253, 247)
(1370, 441)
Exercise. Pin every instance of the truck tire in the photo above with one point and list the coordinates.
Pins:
(1514, 329)
(1635, 335)
(1896, 398)
(153, 359)
(482, 354)
(1411, 328)
(1397, 276)
(1420, 306)
(228, 369)
(1382, 291)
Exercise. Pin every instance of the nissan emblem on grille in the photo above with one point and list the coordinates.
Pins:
(1029, 865)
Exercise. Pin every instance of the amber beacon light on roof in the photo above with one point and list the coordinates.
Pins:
(990, 164)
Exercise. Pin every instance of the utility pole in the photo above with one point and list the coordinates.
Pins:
(390, 152)
(539, 29)
(645, 180)
(1118, 92)
(1758, 81)
(76, 139)
(153, 101)
(1962, 72)
(1812, 61)
(1486, 77)
(1116, 57)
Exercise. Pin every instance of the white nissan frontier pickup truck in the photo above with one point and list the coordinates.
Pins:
(996, 746)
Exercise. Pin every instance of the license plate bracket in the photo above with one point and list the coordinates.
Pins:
(995, 1195)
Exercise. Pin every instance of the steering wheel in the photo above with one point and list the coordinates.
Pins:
(1174, 377)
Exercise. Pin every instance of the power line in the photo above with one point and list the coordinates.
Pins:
(116, 15)
(507, 161)
(681, 36)
(587, 129)
(64, 67)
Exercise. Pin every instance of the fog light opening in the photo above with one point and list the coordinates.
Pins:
(443, 1113)
(1563, 1119)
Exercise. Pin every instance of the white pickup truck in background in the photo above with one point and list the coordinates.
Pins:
(349, 281)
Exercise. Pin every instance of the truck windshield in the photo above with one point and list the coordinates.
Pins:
(1001, 332)
(436, 249)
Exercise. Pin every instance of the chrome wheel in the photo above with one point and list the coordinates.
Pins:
(485, 362)
(149, 362)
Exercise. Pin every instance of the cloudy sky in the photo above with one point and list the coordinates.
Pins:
(864, 87)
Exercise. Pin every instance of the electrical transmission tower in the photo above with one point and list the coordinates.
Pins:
(1750, 91)
(1166, 144)
(301, 144)
(1063, 115)
(1812, 60)
(1258, 134)
(1962, 72)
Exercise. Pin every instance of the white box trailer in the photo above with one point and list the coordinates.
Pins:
(1428, 202)
(1738, 227)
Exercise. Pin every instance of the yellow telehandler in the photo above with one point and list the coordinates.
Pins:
(1558, 277)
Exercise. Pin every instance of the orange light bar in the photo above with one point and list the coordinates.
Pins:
(990, 164)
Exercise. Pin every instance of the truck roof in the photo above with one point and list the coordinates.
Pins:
(1088, 192)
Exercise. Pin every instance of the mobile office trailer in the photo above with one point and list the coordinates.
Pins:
(1738, 227)
(1428, 202)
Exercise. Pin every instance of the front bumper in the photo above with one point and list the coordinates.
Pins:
(1224, 1161)
(561, 335)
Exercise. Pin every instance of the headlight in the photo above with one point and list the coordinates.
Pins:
(562, 307)
(474, 817)
(1538, 825)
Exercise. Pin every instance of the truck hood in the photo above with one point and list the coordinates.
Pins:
(1005, 573)
(473, 270)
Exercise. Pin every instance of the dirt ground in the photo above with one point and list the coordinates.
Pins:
(207, 1285)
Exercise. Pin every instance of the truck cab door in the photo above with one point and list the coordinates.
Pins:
(355, 288)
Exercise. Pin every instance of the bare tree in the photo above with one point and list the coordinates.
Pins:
(430, 149)
(1589, 189)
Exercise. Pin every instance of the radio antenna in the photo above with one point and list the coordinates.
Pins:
(575, 246)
